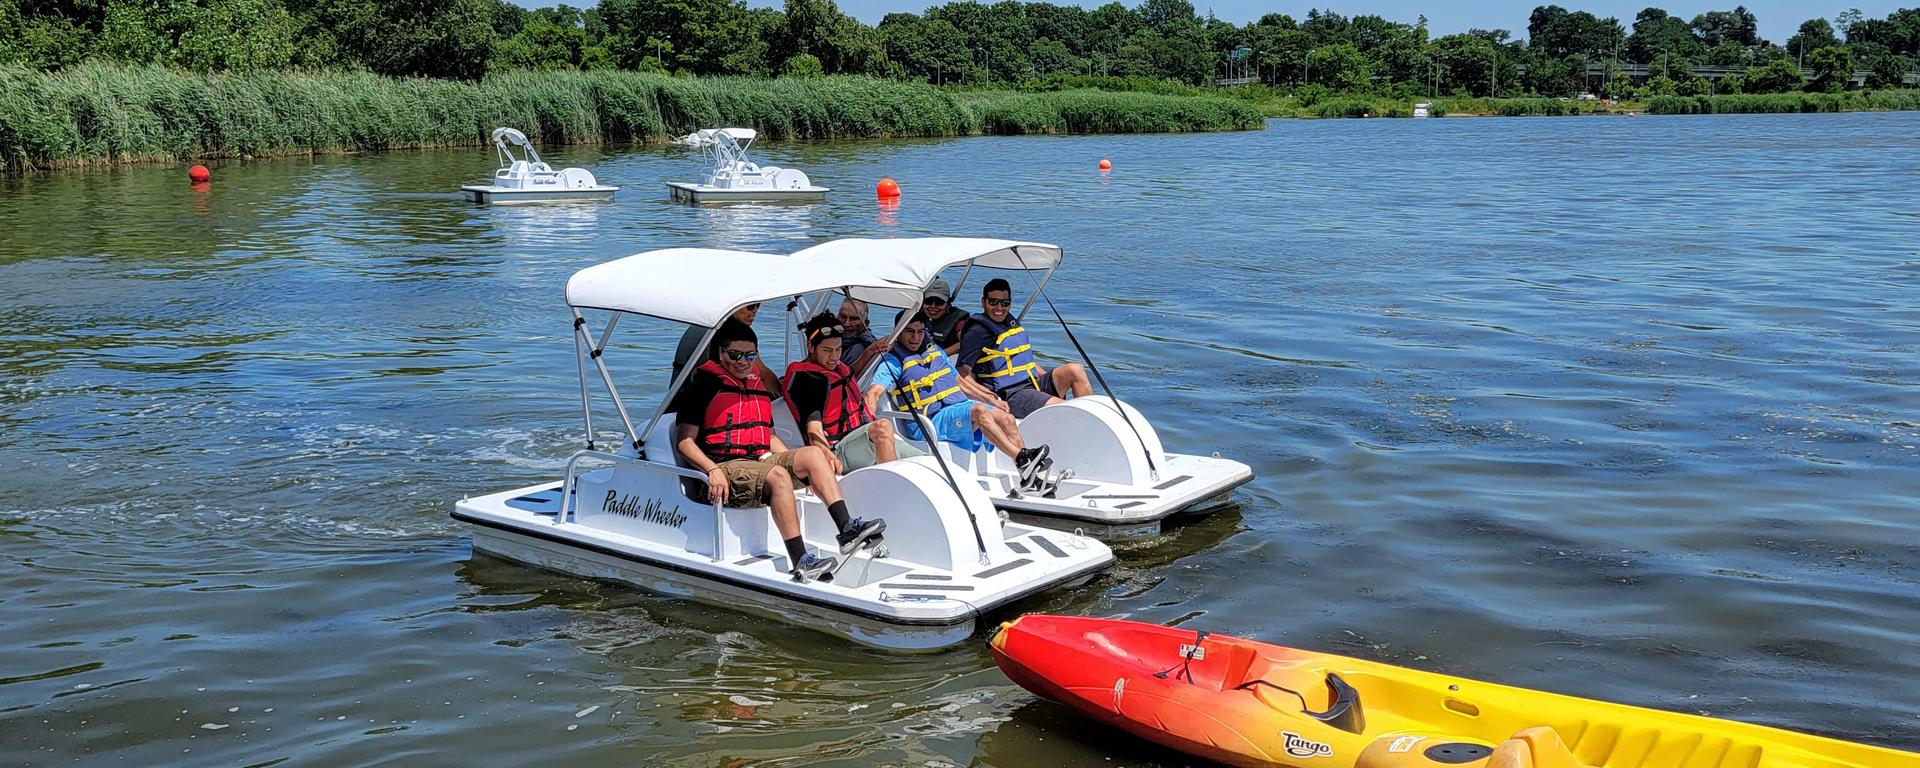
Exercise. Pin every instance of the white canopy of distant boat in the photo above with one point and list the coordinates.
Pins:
(626, 513)
(734, 178)
(1115, 478)
(524, 178)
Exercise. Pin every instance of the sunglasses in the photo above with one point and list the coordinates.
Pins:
(999, 302)
(934, 300)
(734, 354)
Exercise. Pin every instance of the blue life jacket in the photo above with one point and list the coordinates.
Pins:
(927, 381)
(1006, 362)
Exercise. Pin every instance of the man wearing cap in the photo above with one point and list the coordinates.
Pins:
(943, 318)
(994, 350)
(825, 397)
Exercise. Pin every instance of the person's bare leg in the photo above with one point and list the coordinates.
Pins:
(1072, 378)
(999, 427)
(815, 468)
(881, 434)
(785, 517)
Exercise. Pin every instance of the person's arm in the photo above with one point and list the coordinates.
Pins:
(687, 443)
(867, 355)
(809, 399)
(972, 341)
(979, 392)
(874, 393)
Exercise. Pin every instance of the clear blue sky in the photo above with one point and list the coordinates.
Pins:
(1778, 19)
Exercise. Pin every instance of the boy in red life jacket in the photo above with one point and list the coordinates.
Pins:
(829, 406)
(724, 427)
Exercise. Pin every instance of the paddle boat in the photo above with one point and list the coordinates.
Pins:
(1245, 703)
(523, 178)
(625, 512)
(734, 179)
(1112, 477)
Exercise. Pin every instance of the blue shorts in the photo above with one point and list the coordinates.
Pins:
(954, 424)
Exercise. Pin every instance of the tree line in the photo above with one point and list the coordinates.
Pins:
(1019, 43)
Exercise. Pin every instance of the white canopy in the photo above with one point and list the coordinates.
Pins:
(701, 286)
(910, 263)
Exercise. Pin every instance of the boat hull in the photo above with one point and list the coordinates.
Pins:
(506, 195)
(903, 596)
(1252, 704)
(697, 194)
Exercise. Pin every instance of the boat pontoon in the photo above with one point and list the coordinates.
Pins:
(524, 178)
(623, 512)
(735, 179)
(1113, 478)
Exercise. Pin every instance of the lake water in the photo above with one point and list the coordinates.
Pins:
(1624, 408)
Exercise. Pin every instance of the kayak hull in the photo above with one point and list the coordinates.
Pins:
(1245, 703)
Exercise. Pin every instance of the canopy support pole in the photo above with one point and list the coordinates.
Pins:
(580, 357)
(606, 376)
(1117, 405)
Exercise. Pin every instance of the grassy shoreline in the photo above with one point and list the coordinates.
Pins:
(1458, 106)
(105, 115)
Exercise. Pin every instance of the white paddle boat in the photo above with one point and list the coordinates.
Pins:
(1110, 475)
(624, 512)
(524, 178)
(734, 179)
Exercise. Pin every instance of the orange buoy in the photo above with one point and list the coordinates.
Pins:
(1105, 164)
(199, 174)
(886, 189)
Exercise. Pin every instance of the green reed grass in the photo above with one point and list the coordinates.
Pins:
(1848, 101)
(102, 114)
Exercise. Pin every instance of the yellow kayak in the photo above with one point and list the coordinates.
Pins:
(1252, 704)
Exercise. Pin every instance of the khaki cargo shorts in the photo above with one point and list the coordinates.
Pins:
(747, 479)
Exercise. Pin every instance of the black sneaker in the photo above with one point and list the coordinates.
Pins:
(860, 533)
(812, 566)
(1031, 462)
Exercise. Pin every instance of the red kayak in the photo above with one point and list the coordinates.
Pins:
(1253, 704)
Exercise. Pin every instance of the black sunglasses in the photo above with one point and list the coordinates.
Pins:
(734, 354)
(934, 300)
(999, 302)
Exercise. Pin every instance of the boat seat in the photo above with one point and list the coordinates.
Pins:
(1537, 747)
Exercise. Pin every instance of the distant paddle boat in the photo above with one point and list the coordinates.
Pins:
(635, 512)
(523, 178)
(733, 178)
(1113, 479)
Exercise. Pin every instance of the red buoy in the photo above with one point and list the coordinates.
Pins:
(199, 174)
(1105, 164)
(886, 189)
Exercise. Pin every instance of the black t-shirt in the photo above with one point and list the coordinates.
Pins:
(809, 396)
(690, 406)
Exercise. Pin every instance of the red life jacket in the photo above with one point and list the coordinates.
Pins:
(738, 423)
(845, 408)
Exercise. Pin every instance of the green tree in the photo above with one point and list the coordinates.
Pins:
(1777, 76)
(927, 49)
(1814, 33)
(1339, 67)
(1737, 25)
(1831, 66)
(1656, 34)
(1888, 70)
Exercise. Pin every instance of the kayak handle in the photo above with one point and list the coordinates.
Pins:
(1344, 713)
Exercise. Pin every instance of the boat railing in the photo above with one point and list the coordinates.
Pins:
(573, 465)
